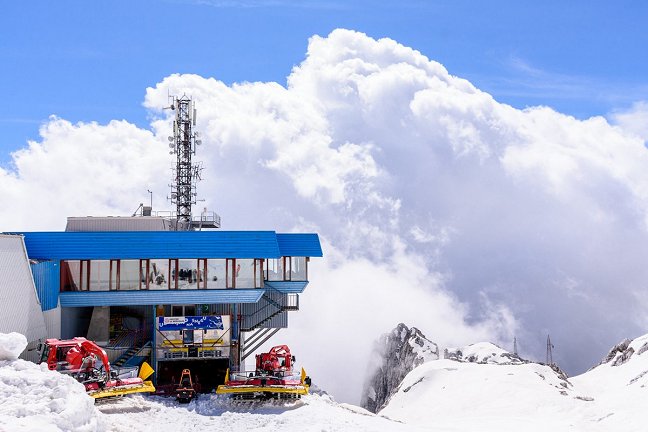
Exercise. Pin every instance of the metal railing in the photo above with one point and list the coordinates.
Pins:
(207, 218)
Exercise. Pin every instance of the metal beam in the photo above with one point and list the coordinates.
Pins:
(251, 350)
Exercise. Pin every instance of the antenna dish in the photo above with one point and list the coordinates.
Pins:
(171, 139)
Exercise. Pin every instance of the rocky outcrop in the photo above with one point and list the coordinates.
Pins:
(484, 353)
(395, 355)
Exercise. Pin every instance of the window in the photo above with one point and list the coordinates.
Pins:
(144, 265)
(230, 270)
(216, 273)
(298, 269)
(129, 275)
(244, 273)
(99, 275)
(201, 274)
(114, 275)
(187, 337)
(274, 269)
(173, 274)
(74, 275)
(188, 276)
(258, 273)
(158, 274)
(183, 310)
(287, 268)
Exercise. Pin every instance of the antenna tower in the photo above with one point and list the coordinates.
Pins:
(186, 173)
(515, 345)
(549, 351)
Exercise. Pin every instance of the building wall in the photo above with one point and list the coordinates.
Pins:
(75, 321)
(20, 310)
(117, 223)
(47, 280)
(53, 322)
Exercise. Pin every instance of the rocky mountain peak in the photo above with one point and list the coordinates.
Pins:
(395, 354)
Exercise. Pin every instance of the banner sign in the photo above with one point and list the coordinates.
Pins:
(191, 322)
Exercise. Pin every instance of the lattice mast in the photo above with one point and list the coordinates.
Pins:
(186, 173)
(550, 348)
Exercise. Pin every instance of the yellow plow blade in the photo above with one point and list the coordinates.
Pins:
(145, 371)
(296, 389)
(243, 389)
(146, 387)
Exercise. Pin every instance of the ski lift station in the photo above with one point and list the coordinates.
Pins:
(168, 289)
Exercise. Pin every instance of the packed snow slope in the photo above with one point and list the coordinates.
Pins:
(33, 398)
(479, 387)
(482, 386)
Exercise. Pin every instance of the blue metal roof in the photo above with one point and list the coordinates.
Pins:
(299, 245)
(151, 244)
(287, 286)
(126, 298)
(169, 244)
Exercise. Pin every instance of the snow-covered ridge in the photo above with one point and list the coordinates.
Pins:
(484, 353)
(624, 350)
(484, 387)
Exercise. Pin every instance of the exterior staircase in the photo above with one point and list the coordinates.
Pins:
(259, 320)
(273, 302)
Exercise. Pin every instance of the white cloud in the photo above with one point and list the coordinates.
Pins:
(440, 206)
(634, 120)
(80, 169)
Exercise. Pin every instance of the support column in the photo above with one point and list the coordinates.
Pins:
(99, 328)
(154, 346)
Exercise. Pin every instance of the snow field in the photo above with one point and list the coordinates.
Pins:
(34, 398)
(312, 413)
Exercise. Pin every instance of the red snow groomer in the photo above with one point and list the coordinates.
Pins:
(88, 363)
(273, 378)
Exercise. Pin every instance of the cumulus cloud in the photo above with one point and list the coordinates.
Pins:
(634, 119)
(77, 170)
(439, 206)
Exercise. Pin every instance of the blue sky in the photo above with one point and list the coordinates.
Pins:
(92, 61)
(529, 221)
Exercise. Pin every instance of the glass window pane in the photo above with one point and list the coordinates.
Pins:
(275, 269)
(129, 275)
(216, 273)
(230, 273)
(201, 273)
(70, 278)
(258, 273)
(99, 275)
(143, 275)
(244, 273)
(84, 277)
(187, 274)
(114, 265)
(158, 274)
(298, 268)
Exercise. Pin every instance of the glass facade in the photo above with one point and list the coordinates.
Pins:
(274, 269)
(216, 273)
(185, 274)
(298, 269)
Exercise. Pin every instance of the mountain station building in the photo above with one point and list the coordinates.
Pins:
(198, 299)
